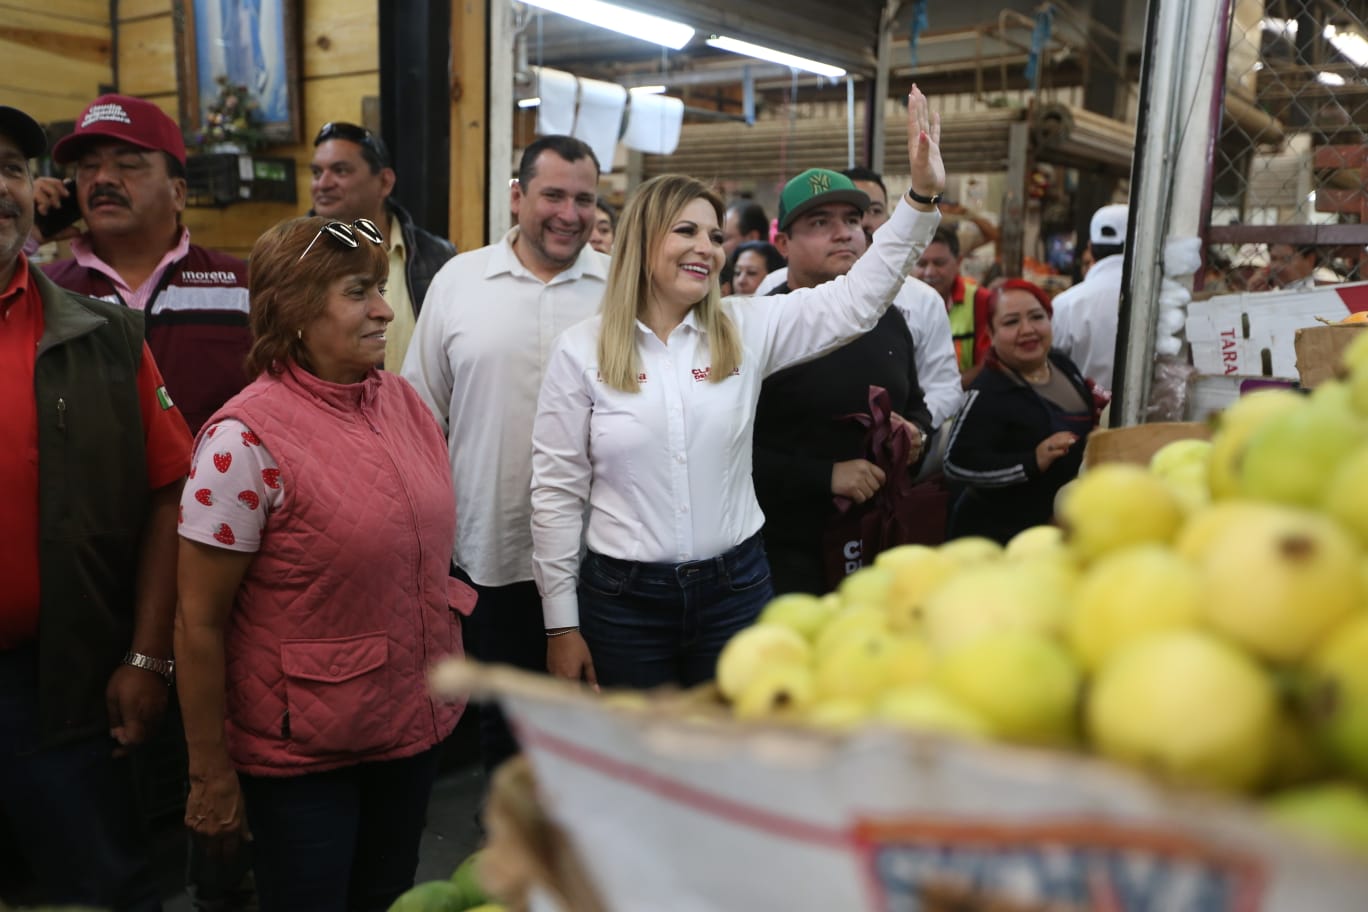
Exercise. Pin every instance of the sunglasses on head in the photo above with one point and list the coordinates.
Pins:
(346, 234)
(339, 129)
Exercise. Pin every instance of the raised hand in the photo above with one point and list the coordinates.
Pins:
(923, 145)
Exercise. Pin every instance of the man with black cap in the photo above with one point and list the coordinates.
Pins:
(352, 179)
(805, 449)
(1085, 316)
(129, 161)
(95, 457)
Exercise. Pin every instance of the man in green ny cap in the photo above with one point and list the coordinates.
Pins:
(816, 211)
(804, 452)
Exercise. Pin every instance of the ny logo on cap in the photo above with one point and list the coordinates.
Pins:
(819, 182)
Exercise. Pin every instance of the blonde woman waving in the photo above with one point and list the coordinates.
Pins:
(642, 440)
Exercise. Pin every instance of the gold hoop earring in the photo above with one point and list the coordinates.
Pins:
(299, 334)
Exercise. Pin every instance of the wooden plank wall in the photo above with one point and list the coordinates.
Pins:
(57, 59)
(57, 54)
(339, 66)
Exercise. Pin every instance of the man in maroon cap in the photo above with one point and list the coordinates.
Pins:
(129, 162)
(92, 469)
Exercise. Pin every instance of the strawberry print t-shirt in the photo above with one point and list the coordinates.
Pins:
(234, 485)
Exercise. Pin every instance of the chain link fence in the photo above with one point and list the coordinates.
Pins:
(1291, 161)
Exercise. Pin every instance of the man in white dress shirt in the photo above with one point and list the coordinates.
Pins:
(1084, 320)
(477, 357)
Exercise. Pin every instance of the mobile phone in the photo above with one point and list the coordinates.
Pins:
(54, 220)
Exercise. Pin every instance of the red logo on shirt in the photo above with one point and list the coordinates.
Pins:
(271, 477)
(249, 499)
(205, 496)
(225, 534)
(250, 439)
(222, 461)
(701, 374)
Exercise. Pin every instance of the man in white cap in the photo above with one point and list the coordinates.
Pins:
(1085, 315)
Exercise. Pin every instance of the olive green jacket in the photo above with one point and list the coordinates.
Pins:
(92, 500)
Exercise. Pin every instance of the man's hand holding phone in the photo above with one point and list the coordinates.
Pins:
(56, 210)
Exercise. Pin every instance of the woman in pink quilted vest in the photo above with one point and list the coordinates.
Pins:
(316, 531)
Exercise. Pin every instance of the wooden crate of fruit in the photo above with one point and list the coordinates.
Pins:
(1158, 703)
(670, 804)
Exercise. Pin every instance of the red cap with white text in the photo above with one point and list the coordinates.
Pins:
(122, 118)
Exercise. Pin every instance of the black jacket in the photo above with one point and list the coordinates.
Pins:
(992, 452)
(800, 431)
(424, 254)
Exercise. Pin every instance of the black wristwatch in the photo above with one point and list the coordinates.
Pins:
(916, 197)
(164, 667)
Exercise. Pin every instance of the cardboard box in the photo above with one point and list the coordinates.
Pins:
(1138, 444)
(670, 807)
(1319, 349)
(1253, 334)
(1208, 394)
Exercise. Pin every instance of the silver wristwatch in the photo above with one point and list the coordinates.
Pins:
(164, 667)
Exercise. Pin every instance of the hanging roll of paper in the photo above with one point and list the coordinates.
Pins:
(599, 121)
(558, 91)
(653, 123)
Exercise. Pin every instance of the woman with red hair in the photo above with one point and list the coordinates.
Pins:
(1019, 437)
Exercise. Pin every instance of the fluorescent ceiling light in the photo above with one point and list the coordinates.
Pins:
(529, 102)
(647, 90)
(1349, 43)
(745, 48)
(1330, 79)
(1286, 27)
(654, 29)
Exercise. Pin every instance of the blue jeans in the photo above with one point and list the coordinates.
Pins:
(71, 808)
(652, 624)
(345, 839)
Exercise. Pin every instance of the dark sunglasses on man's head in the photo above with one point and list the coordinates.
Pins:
(340, 129)
(346, 234)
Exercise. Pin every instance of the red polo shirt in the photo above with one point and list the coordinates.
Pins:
(166, 438)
